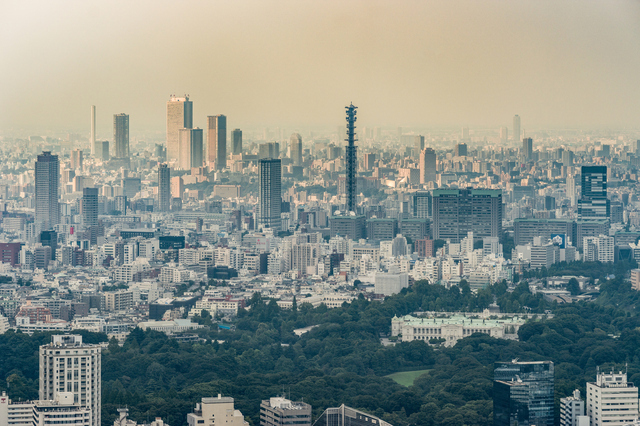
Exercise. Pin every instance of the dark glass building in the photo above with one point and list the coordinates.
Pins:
(593, 203)
(523, 393)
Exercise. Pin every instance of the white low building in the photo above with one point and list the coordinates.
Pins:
(170, 327)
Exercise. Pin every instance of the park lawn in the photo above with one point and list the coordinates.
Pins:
(406, 378)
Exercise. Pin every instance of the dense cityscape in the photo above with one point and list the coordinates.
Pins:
(365, 271)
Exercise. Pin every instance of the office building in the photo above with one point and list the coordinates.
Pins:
(523, 393)
(47, 176)
(422, 204)
(598, 249)
(347, 225)
(382, 229)
(62, 411)
(525, 230)
(572, 411)
(283, 412)
(516, 128)
(418, 143)
(191, 152)
(92, 135)
(68, 365)
(527, 149)
(164, 188)
(461, 150)
(351, 160)
(90, 213)
(76, 159)
(121, 135)
(369, 161)
(347, 416)
(611, 400)
(217, 141)
(236, 140)
(179, 116)
(456, 212)
(270, 196)
(295, 145)
(427, 165)
(103, 150)
(215, 412)
(593, 203)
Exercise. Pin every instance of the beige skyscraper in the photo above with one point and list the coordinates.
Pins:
(179, 116)
(217, 141)
(516, 128)
(191, 149)
(295, 143)
(427, 165)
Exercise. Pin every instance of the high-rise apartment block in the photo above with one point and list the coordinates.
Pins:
(523, 393)
(90, 213)
(295, 144)
(179, 116)
(164, 188)
(47, 176)
(76, 159)
(456, 212)
(236, 141)
(217, 141)
(611, 400)
(121, 135)
(351, 160)
(283, 412)
(270, 196)
(427, 165)
(572, 411)
(527, 149)
(593, 203)
(68, 365)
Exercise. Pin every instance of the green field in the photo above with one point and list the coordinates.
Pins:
(406, 378)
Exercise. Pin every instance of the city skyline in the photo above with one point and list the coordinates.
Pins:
(563, 66)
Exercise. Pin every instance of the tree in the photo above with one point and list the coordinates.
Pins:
(573, 286)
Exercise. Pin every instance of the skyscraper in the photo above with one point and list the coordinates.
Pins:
(351, 159)
(422, 204)
(236, 140)
(191, 149)
(270, 196)
(593, 203)
(516, 128)
(418, 142)
(68, 365)
(427, 165)
(76, 159)
(295, 143)
(456, 212)
(461, 150)
(90, 213)
(179, 116)
(47, 175)
(121, 135)
(527, 148)
(92, 136)
(611, 400)
(164, 188)
(217, 141)
(523, 393)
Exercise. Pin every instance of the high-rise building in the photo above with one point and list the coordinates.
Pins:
(191, 153)
(418, 143)
(347, 416)
(47, 175)
(504, 134)
(572, 411)
(593, 203)
(427, 165)
(598, 249)
(422, 204)
(92, 136)
(179, 116)
(516, 128)
(217, 141)
(164, 188)
(456, 212)
(523, 393)
(351, 160)
(270, 196)
(121, 135)
(76, 159)
(611, 400)
(90, 213)
(68, 365)
(369, 161)
(295, 144)
(527, 148)
(461, 150)
(465, 133)
(103, 150)
(283, 412)
(236, 140)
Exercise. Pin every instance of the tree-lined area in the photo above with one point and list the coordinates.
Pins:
(342, 361)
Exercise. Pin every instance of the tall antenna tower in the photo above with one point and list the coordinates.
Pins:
(351, 159)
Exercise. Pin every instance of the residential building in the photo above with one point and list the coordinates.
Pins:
(280, 411)
(47, 176)
(215, 412)
(270, 196)
(611, 400)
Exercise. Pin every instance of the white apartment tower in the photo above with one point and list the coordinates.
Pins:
(611, 400)
(68, 365)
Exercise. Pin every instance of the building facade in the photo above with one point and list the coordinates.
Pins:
(217, 141)
(47, 176)
(179, 116)
(270, 195)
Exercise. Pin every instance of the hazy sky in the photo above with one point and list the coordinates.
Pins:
(287, 63)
